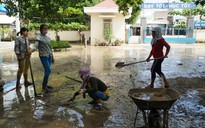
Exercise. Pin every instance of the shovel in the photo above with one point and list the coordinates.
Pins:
(31, 71)
(75, 81)
(122, 64)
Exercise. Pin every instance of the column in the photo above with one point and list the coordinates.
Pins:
(190, 27)
(143, 27)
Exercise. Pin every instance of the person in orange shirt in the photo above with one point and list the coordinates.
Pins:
(158, 43)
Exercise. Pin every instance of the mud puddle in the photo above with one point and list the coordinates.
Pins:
(21, 109)
(184, 70)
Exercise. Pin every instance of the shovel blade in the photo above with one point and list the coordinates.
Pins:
(119, 65)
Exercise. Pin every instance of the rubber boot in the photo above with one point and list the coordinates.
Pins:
(166, 84)
(26, 82)
(151, 85)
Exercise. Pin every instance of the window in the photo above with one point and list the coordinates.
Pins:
(107, 25)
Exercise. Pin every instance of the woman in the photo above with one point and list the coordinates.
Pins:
(158, 43)
(22, 51)
(43, 44)
(95, 88)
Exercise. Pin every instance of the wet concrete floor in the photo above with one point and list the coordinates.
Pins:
(184, 69)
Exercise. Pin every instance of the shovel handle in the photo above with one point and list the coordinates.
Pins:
(142, 61)
(136, 62)
(73, 79)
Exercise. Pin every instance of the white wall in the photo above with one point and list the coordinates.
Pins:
(96, 29)
(200, 34)
(118, 26)
(64, 35)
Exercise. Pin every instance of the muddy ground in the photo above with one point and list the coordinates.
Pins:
(184, 69)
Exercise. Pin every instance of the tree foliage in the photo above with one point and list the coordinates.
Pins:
(200, 10)
(65, 11)
(60, 26)
(124, 6)
(58, 14)
(180, 25)
(199, 2)
(189, 12)
(51, 11)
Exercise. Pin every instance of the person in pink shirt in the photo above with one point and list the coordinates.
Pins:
(158, 43)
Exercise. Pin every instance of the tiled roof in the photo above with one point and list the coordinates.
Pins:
(107, 3)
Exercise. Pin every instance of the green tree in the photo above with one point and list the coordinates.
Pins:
(200, 10)
(58, 14)
(189, 12)
(124, 6)
(51, 11)
(199, 2)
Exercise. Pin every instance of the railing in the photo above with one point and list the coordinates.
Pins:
(173, 32)
(174, 35)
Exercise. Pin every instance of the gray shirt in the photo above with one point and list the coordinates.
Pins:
(20, 47)
(43, 44)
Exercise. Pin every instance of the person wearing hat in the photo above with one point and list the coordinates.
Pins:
(43, 44)
(95, 88)
(22, 51)
(158, 43)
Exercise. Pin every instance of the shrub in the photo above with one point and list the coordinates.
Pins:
(60, 44)
(118, 42)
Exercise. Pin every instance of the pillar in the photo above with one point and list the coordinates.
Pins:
(190, 27)
(143, 27)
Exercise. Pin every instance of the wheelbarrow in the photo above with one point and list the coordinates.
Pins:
(150, 99)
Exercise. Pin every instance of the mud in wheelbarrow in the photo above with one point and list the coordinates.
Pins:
(154, 99)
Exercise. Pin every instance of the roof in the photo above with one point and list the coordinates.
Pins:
(107, 3)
